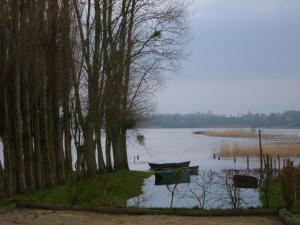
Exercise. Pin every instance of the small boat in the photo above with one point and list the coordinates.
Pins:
(159, 166)
(172, 176)
(245, 181)
(193, 170)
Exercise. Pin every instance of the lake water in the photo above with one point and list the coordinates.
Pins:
(177, 145)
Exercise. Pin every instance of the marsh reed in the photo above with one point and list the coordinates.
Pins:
(288, 149)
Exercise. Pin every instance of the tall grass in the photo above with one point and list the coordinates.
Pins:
(290, 149)
(236, 134)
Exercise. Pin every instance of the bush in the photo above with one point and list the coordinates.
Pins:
(290, 181)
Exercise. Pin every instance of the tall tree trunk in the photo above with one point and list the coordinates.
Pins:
(28, 154)
(22, 188)
(8, 160)
(45, 141)
(89, 148)
(108, 151)
(67, 65)
(39, 169)
(101, 163)
(51, 137)
(67, 138)
(123, 146)
(116, 149)
(58, 145)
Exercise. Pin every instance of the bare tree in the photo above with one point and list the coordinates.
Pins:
(201, 186)
(231, 196)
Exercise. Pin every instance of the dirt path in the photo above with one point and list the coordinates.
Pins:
(48, 217)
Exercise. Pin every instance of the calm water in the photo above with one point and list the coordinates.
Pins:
(176, 145)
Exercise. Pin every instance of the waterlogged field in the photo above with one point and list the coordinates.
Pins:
(176, 145)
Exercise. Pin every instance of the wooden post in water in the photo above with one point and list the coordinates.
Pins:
(278, 158)
(247, 162)
(268, 162)
(260, 155)
(274, 165)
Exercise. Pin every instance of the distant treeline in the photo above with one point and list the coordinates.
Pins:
(288, 119)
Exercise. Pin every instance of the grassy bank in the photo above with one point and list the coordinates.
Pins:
(111, 189)
(290, 217)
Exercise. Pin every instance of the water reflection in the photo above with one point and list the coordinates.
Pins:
(209, 189)
(176, 145)
(172, 176)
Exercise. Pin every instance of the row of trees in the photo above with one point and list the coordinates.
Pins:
(288, 119)
(71, 72)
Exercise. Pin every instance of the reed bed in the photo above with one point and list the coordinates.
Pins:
(252, 150)
(236, 134)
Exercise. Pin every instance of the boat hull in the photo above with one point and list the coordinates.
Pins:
(172, 176)
(159, 166)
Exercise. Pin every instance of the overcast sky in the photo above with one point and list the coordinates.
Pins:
(244, 56)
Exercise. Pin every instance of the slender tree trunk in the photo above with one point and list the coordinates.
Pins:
(60, 161)
(39, 169)
(67, 139)
(101, 163)
(108, 151)
(2, 182)
(22, 188)
(45, 141)
(89, 149)
(28, 153)
(7, 150)
(124, 149)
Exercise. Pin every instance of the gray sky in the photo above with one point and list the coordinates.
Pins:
(244, 56)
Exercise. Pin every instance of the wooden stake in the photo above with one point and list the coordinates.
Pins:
(260, 154)
(274, 165)
(247, 162)
(278, 158)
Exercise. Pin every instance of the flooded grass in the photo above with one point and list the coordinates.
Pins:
(236, 134)
(284, 149)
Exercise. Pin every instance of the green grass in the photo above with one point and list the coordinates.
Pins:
(276, 199)
(111, 189)
(289, 216)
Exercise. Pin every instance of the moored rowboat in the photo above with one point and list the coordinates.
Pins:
(172, 176)
(193, 170)
(158, 166)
